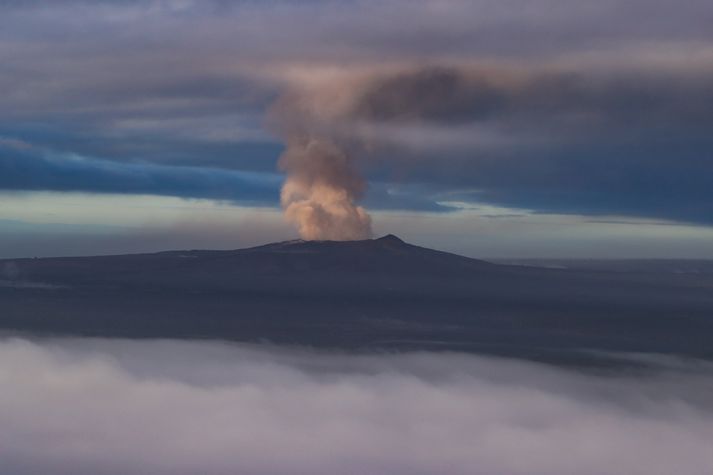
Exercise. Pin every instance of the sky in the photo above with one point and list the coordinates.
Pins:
(517, 128)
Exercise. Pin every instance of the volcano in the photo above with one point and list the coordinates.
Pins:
(380, 294)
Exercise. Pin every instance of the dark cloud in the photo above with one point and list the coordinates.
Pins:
(162, 142)
(24, 167)
(436, 94)
(666, 179)
(610, 101)
(617, 143)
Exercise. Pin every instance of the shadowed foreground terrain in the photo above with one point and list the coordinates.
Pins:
(372, 294)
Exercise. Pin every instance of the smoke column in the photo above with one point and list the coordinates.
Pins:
(322, 187)
(320, 193)
(320, 120)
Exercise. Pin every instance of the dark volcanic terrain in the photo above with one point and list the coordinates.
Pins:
(372, 294)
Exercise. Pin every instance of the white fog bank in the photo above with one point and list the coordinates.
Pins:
(116, 407)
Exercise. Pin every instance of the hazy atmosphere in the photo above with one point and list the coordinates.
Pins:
(519, 128)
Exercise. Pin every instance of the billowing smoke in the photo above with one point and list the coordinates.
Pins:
(402, 119)
(323, 185)
(320, 193)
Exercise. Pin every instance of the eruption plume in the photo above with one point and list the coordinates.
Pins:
(320, 193)
(325, 117)
(323, 186)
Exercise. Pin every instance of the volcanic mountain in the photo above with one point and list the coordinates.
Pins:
(381, 293)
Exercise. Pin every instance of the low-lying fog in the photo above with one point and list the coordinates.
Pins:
(95, 407)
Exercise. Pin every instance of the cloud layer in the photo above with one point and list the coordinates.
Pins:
(114, 407)
(550, 106)
(27, 168)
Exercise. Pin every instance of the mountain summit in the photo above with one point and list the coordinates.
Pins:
(391, 239)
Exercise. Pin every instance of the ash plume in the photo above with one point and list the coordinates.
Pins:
(326, 122)
(481, 116)
(323, 186)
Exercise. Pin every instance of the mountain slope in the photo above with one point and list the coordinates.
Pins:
(381, 293)
(283, 261)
